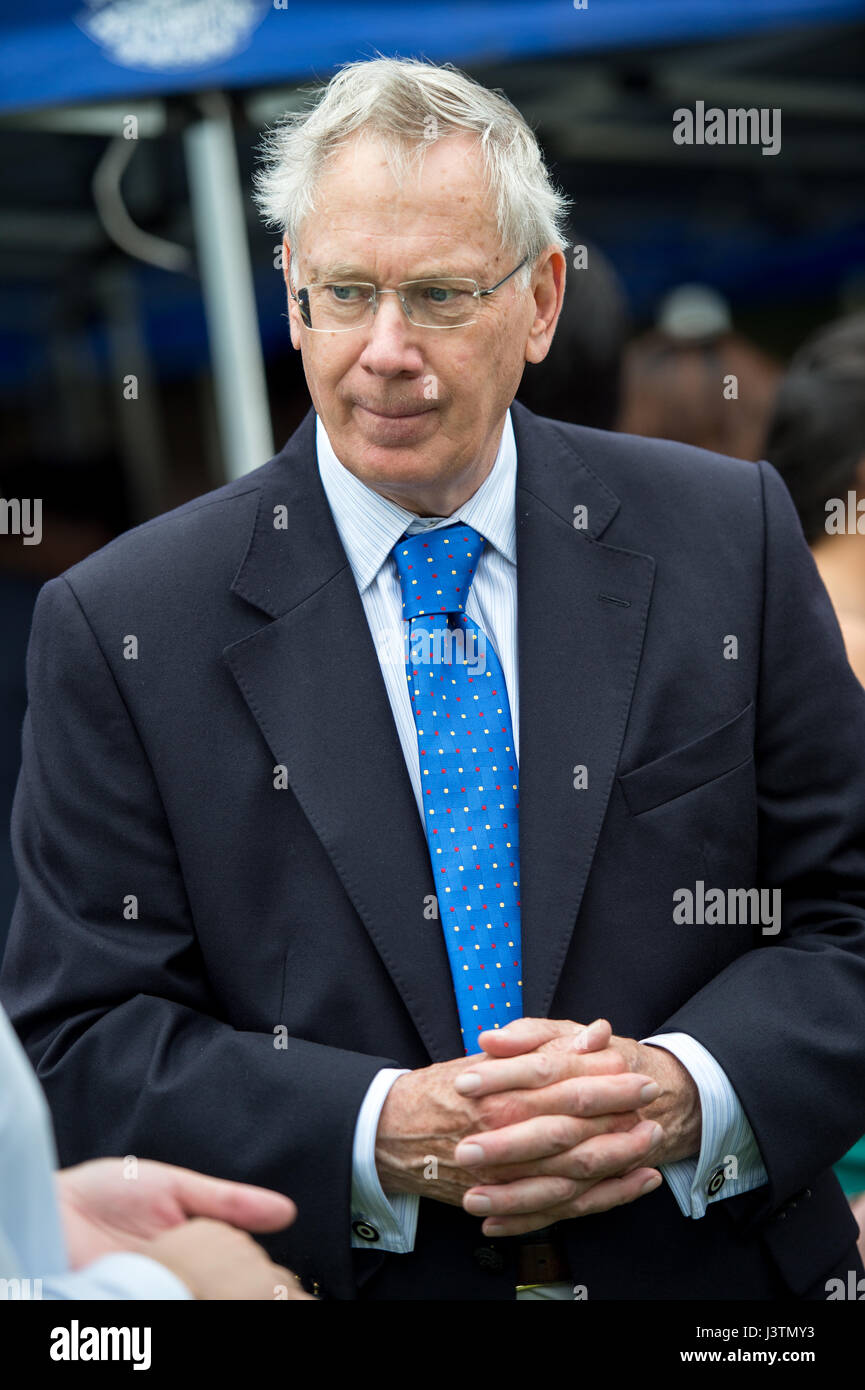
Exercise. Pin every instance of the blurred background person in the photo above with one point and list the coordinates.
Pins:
(816, 440)
(694, 379)
(84, 506)
(579, 380)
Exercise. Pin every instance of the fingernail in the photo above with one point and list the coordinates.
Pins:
(657, 1136)
(651, 1184)
(467, 1081)
(650, 1091)
(477, 1204)
(581, 1041)
(469, 1155)
(493, 1228)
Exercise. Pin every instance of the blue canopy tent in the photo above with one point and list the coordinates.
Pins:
(54, 51)
(61, 54)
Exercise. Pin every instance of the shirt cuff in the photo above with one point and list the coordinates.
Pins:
(123, 1275)
(729, 1162)
(378, 1222)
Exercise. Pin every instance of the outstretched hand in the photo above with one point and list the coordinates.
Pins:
(108, 1205)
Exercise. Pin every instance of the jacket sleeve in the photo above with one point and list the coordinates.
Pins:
(115, 1011)
(786, 1020)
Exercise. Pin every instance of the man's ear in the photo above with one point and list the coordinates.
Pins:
(548, 289)
(293, 314)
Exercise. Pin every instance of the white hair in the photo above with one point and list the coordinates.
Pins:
(406, 103)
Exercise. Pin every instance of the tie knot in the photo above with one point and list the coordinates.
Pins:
(436, 569)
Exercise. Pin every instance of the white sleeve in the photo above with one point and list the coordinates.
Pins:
(729, 1162)
(124, 1275)
(378, 1222)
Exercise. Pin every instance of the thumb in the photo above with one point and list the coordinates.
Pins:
(524, 1035)
(594, 1038)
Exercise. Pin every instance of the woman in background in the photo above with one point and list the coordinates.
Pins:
(816, 440)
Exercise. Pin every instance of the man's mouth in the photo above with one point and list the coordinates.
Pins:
(389, 412)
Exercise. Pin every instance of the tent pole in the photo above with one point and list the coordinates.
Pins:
(229, 296)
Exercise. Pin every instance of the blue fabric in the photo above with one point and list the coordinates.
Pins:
(469, 775)
(66, 50)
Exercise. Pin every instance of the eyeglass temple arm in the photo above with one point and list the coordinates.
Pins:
(481, 293)
(301, 299)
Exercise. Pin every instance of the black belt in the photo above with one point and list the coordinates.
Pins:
(542, 1258)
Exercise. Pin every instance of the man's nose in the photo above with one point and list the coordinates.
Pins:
(392, 341)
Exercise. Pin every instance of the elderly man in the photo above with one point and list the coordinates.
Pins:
(364, 797)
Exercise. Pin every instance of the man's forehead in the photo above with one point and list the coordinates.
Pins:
(437, 221)
(334, 253)
(440, 182)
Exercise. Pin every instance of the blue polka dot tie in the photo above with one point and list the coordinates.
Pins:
(469, 775)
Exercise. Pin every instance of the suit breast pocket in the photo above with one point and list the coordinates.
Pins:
(694, 764)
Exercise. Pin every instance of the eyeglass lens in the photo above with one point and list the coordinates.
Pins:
(429, 303)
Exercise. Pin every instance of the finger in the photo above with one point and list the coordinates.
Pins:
(523, 1035)
(519, 1198)
(240, 1204)
(590, 1096)
(583, 1097)
(557, 1054)
(526, 1034)
(548, 1135)
(591, 1199)
(513, 1107)
(585, 1129)
(602, 1156)
(548, 1067)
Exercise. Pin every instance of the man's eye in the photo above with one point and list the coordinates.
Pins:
(346, 294)
(442, 294)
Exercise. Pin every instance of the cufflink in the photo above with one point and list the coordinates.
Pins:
(716, 1182)
(365, 1231)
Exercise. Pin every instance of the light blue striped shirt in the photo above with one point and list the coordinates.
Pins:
(369, 526)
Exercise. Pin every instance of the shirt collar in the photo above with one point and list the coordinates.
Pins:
(370, 525)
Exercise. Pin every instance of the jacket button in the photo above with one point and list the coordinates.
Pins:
(364, 1230)
(486, 1257)
(716, 1182)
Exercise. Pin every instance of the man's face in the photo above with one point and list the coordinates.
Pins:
(416, 413)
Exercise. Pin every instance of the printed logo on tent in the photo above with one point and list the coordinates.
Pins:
(170, 34)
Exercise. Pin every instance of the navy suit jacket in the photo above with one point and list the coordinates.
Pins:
(208, 967)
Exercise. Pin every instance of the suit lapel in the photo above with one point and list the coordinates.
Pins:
(582, 609)
(313, 683)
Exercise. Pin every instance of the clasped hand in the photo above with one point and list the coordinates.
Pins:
(552, 1120)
